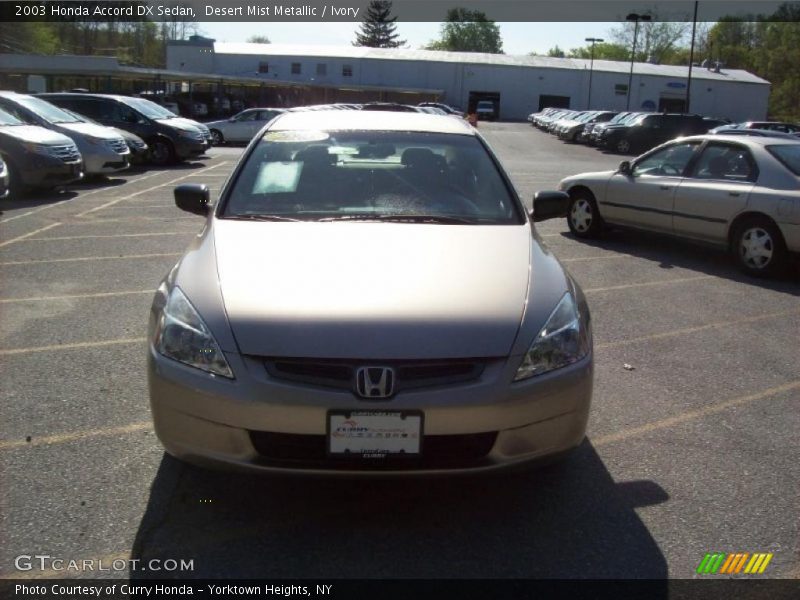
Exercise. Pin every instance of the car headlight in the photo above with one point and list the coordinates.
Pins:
(182, 335)
(35, 148)
(564, 339)
(193, 135)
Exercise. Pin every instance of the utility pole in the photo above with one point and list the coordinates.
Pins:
(635, 17)
(591, 69)
(691, 59)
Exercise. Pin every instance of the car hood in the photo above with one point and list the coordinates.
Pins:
(189, 123)
(373, 290)
(90, 129)
(220, 123)
(588, 178)
(35, 134)
(180, 124)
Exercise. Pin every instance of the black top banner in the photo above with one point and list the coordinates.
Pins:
(405, 10)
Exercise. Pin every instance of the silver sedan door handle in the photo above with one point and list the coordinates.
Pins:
(665, 187)
(734, 194)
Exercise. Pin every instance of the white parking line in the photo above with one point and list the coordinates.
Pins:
(80, 196)
(648, 283)
(27, 235)
(86, 259)
(588, 258)
(698, 328)
(165, 218)
(74, 296)
(151, 189)
(77, 345)
(95, 237)
(691, 415)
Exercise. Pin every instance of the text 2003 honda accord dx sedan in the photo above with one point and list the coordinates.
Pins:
(369, 297)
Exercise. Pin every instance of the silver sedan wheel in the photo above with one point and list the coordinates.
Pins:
(581, 215)
(756, 247)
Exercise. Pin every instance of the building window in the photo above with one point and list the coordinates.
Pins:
(263, 67)
(296, 69)
(621, 89)
(347, 70)
(322, 69)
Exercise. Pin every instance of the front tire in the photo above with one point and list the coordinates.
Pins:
(758, 247)
(623, 146)
(217, 138)
(584, 218)
(161, 152)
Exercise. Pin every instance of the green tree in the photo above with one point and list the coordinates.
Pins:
(258, 39)
(468, 31)
(556, 52)
(602, 51)
(378, 29)
(655, 39)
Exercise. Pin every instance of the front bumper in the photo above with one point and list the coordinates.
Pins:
(41, 171)
(187, 148)
(489, 423)
(103, 161)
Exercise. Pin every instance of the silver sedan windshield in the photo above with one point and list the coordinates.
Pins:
(372, 175)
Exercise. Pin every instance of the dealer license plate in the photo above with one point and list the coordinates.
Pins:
(374, 434)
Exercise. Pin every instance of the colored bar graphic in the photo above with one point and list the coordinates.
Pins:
(710, 563)
(734, 563)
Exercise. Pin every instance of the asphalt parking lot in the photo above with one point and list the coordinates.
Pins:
(692, 448)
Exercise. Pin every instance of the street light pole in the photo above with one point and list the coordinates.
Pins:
(591, 70)
(635, 18)
(691, 59)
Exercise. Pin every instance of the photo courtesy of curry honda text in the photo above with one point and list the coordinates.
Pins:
(369, 296)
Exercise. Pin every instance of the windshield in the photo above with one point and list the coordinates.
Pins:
(8, 119)
(788, 154)
(45, 110)
(372, 175)
(149, 109)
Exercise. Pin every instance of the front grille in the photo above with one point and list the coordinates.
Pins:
(414, 374)
(119, 146)
(67, 153)
(309, 451)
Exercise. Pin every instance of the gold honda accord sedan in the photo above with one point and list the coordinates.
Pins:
(369, 296)
(737, 192)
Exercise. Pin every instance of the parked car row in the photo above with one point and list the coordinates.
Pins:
(244, 126)
(626, 132)
(53, 139)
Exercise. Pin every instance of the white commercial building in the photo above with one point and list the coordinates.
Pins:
(518, 84)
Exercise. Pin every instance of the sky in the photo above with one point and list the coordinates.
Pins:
(518, 38)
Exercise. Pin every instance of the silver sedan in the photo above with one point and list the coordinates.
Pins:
(243, 126)
(739, 192)
(369, 296)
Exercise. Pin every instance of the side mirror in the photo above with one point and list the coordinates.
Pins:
(193, 198)
(624, 167)
(550, 205)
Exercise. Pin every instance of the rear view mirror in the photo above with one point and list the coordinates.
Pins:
(550, 205)
(193, 198)
(624, 167)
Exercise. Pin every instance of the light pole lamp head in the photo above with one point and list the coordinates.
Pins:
(637, 17)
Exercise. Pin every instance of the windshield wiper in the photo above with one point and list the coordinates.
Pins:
(257, 217)
(440, 219)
